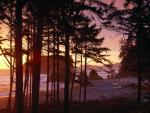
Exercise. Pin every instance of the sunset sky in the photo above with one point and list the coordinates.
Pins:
(111, 41)
(3, 33)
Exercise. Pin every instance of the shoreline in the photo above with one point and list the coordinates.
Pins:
(100, 90)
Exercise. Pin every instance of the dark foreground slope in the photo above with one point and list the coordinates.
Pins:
(114, 105)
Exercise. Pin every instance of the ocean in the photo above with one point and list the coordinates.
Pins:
(102, 89)
(5, 83)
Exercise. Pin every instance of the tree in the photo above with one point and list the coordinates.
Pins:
(37, 46)
(133, 21)
(63, 18)
(18, 55)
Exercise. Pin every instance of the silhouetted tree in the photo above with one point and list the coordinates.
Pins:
(37, 46)
(133, 21)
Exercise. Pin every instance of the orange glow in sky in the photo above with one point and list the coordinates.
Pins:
(3, 33)
(111, 41)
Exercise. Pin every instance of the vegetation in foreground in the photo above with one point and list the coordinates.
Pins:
(114, 105)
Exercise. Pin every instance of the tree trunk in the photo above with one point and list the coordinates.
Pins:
(18, 52)
(58, 71)
(139, 73)
(139, 39)
(47, 85)
(67, 75)
(85, 77)
(73, 78)
(27, 72)
(9, 103)
(37, 46)
(54, 70)
(81, 81)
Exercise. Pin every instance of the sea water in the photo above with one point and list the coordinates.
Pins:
(5, 83)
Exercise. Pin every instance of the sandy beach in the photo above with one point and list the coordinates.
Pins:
(106, 89)
(99, 90)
